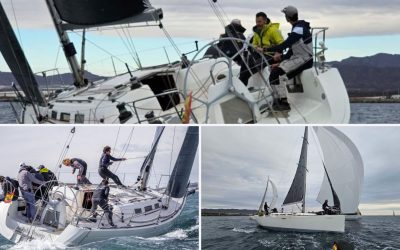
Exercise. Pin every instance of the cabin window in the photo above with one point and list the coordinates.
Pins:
(161, 83)
(148, 208)
(79, 118)
(65, 117)
(156, 206)
(53, 114)
(138, 210)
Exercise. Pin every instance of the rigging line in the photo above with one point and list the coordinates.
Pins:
(131, 48)
(223, 11)
(127, 47)
(100, 48)
(172, 151)
(16, 23)
(125, 149)
(116, 139)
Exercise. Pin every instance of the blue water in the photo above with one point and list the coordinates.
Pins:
(371, 232)
(361, 113)
(184, 235)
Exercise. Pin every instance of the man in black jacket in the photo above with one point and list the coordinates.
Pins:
(100, 198)
(106, 161)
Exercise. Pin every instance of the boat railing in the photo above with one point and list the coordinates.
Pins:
(243, 55)
(319, 48)
(152, 119)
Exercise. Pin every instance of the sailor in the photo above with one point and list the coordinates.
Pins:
(10, 189)
(298, 58)
(326, 207)
(266, 208)
(230, 48)
(38, 190)
(105, 161)
(81, 165)
(48, 175)
(266, 34)
(25, 180)
(100, 198)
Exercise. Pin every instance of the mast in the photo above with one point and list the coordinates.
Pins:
(297, 191)
(18, 64)
(68, 46)
(148, 161)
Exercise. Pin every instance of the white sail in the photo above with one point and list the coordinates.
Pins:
(274, 195)
(344, 166)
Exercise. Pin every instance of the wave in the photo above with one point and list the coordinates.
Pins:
(38, 244)
(242, 230)
(178, 234)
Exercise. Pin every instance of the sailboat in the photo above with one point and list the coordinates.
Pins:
(303, 221)
(138, 210)
(202, 90)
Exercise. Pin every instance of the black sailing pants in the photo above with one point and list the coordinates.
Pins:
(105, 173)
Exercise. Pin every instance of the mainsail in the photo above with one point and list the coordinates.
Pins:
(148, 161)
(178, 182)
(344, 164)
(297, 191)
(17, 62)
(80, 14)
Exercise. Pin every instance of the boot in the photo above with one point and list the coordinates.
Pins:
(281, 105)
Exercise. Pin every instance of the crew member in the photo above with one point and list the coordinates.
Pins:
(25, 180)
(100, 198)
(10, 189)
(105, 161)
(81, 165)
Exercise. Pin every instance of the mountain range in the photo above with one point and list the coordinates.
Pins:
(363, 76)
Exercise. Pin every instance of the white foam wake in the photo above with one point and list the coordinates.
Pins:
(38, 245)
(241, 230)
(178, 234)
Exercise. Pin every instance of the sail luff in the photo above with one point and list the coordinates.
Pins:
(148, 161)
(177, 185)
(297, 190)
(263, 198)
(336, 200)
(17, 62)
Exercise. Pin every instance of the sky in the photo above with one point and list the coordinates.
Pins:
(356, 28)
(236, 163)
(36, 145)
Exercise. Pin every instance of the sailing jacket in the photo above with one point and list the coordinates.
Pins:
(105, 160)
(49, 176)
(101, 193)
(79, 164)
(299, 43)
(25, 179)
(268, 36)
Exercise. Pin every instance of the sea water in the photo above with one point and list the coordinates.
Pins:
(184, 235)
(360, 113)
(229, 232)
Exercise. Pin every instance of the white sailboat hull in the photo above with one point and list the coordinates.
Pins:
(14, 227)
(302, 222)
(352, 217)
(323, 100)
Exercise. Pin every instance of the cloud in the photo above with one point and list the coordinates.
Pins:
(194, 18)
(236, 162)
(37, 145)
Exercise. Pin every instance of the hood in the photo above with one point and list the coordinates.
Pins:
(302, 23)
(233, 27)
